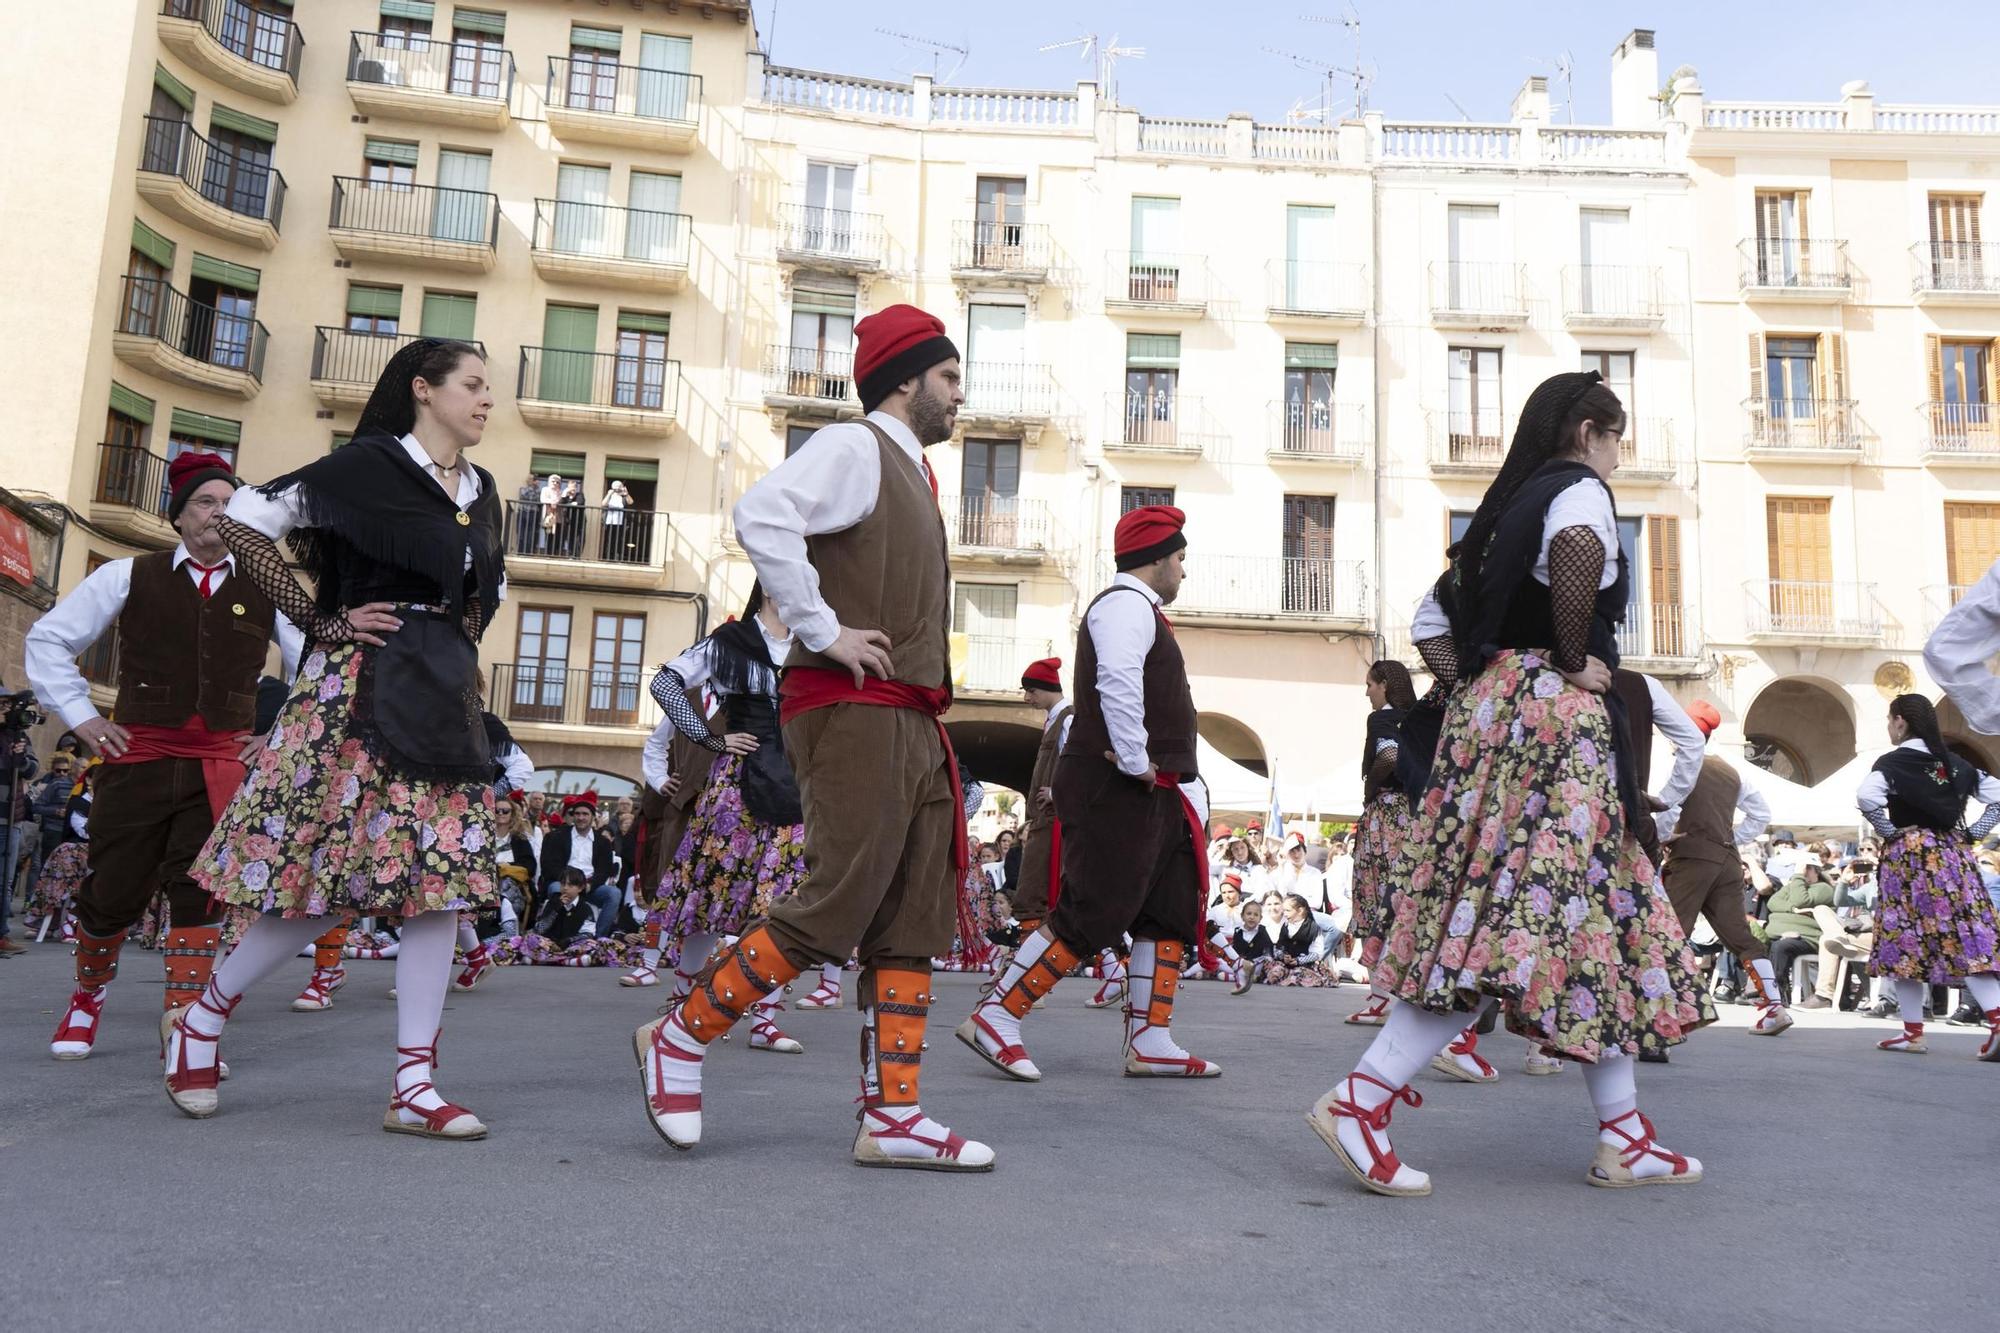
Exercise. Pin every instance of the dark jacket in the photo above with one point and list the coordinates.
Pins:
(561, 924)
(555, 856)
(1297, 944)
(1256, 944)
(47, 800)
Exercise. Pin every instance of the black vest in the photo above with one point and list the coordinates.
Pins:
(1925, 792)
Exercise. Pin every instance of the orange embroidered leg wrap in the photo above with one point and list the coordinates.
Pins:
(327, 948)
(97, 959)
(1029, 925)
(1169, 956)
(897, 1001)
(651, 934)
(741, 975)
(190, 952)
(1039, 977)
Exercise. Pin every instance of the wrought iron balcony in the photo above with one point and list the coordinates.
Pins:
(347, 362)
(1657, 631)
(1467, 442)
(1154, 280)
(610, 391)
(1795, 270)
(1938, 599)
(988, 253)
(995, 527)
(1803, 428)
(1003, 395)
(162, 331)
(417, 224)
(544, 694)
(253, 50)
(209, 186)
(414, 77)
(1650, 450)
(1955, 273)
(1319, 432)
(1786, 611)
(131, 495)
(1155, 423)
(1613, 297)
(621, 547)
(601, 101)
(1961, 433)
(1310, 590)
(609, 245)
(1320, 291)
(1478, 294)
(810, 236)
(991, 663)
(809, 376)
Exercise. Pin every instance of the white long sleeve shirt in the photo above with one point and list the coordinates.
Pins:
(1122, 629)
(1872, 796)
(830, 485)
(1688, 742)
(92, 607)
(520, 770)
(653, 756)
(1429, 620)
(1959, 649)
(1050, 721)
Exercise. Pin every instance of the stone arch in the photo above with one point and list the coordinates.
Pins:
(999, 752)
(1801, 728)
(1963, 741)
(1236, 741)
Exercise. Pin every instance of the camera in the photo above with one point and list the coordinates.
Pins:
(18, 711)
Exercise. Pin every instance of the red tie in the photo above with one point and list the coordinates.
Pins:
(1165, 624)
(929, 475)
(208, 573)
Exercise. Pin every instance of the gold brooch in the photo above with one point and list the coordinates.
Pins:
(463, 520)
(238, 609)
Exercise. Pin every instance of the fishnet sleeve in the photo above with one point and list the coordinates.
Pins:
(1985, 823)
(266, 567)
(475, 619)
(1440, 656)
(1382, 769)
(670, 692)
(1576, 565)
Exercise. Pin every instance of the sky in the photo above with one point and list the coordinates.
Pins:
(1207, 59)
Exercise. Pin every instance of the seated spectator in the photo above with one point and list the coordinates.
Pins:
(1251, 940)
(1790, 928)
(1296, 948)
(565, 934)
(1228, 906)
(1847, 930)
(1235, 856)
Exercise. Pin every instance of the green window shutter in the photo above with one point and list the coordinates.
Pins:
(478, 20)
(823, 303)
(223, 272)
(388, 150)
(1312, 356)
(152, 245)
(222, 118)
(638, 321)
(376, 302)
(630, 469)
(542, 462)
(448, 315)
(421, 10)
(173, 87)
(596, 39)
(340, 439)
(202, 426)
(1153, 350)
(134, 405)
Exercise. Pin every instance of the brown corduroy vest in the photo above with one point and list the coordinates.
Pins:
(1170, 716)
(182, 655)
(1707, 830)
(1046, 755)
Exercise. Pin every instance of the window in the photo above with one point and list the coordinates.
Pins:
(1477, 278)
(373, 309)
(1138, 497)
(1474, 422)
(1781, 256)
(1664, 619)
(144, 294)
(593, 69)
(1460, 522)
(829, 210)
(1308, 572)
(222, 313)
(996, 354)
(449, 315)
(1309, 374)
(1606, 282)
(1309, 251)
(617, 659)
(1616, 368)
(99, 662)
(640, 378)
(258, 30)
(820, 359)
(664, 81)
(1971, 544)
(999, 210)
(478, 58)
(984, 614)
(1791, 369)
(1800, 548)
(237, 174)
(989, 501)
(405, 26)
(389, 165)
(1962, 413)
(1957, 260)
(199, 433)
(1154, 271)
(121, 465)
(462, 201)
(653, 220)
(1152, 384)
(796, 437)
(541, 665)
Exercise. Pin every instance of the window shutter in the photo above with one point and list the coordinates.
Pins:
(218, 430)
(1663, 555)
(223, 272)
(152, 245)
(253, 127)
(1160, 351)
(1312, 356)
(422, 11)
(474, 20)
(1757, 367)
(596, 39)
(134, 405)
(823, 303)
(448, 315)
(639, 321)
(542, 462)
(173, 87)
(1833, 366)
(1971, 541)
(374, 302)
(630, 469)
(1801, 547)
(1934, 362)
(388, 150)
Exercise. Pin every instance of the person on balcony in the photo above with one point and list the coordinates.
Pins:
(617, 540)
(192, 640)
(552, 498)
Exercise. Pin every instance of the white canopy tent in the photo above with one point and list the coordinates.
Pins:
(1230, 785)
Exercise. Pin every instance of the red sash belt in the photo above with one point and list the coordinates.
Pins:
(1055, 862)
(1210, 960)
(805, 689)
(221, 773)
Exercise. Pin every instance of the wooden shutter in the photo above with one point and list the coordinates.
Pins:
(1801, 545)
(1663, 554)
(1833, 366)
(1309, 527)
(1770, 225)
(1971, 541)
(1757, 370)
(1934, 361)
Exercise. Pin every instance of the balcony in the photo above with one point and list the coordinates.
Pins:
(1655, 633)
(184, 175)
(1278, 591)
(254, 51)
(1777, 611)
(1802, 430)
(1317, 432)
(596, 101)
(347, 362)
(607, 548)
(162, 332)
(1613, 298)
(421, 225)
(1783, 270)
(603, 245)
(1320, 292)
(999, 530)
(829, 240)
(1961, 434)
(1465, 443)
(583, 704)
(464, 84)
(809, 380)
(1009, 398)
(1160, 425)
(989, 664)
(1478, 294)
(1938, 599)
(1650, 451)
(987, 254)
(1955, 273)
(130, 498)
(1155, 283)
(604, 391)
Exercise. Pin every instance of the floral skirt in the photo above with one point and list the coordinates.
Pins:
(321, 827)
(62, 875)
(730, 866)
(1933, 921)
(1378, 850)
(1522, 883)
(539, 950)
(1286, 972)
(971, 951)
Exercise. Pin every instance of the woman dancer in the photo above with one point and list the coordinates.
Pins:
(1385, 818)
(745, 843)
(1934, 923)
(1525, 887)
(63, 872)
(373, 796)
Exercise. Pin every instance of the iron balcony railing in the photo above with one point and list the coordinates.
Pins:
(1317, 286)
(1154, 277)
(1477, 287)
(986, 246)
(581, 533)
(1467, 438)
(1804, 425)
(224, 178)
(552, 695)
(1782, 607)
(260, 36)
(607, 88)
(992, 662)
(996, 522)
(830, 233)
(149, 308)
(1656, 630)
(599, 379)
(1962, 428)
(131, 477)
(610, 231)
(1955, 266)
(818, 373)
(1317, 428)
(1938, 599)
(1167, 420)
(1612, 292)
(1006, 390)
(468, 216)
(425, 64)
(355, 356)
(1782, 263)
(1309, 587)
(1649, 447)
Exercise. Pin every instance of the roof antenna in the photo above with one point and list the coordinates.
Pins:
(1565, 66)
(1361, 73)
(937, 49)
(1108, 55)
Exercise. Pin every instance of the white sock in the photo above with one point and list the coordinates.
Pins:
(1766, 974)
(829, 975)
(1114, 971)
(770, 1004)
(1220, 943)
(1410, 1036)
(423, 975)
(1984, 989)
(271, 940)
(468, 938)
(1910, 999)
(650, 958)
(1614, 1089)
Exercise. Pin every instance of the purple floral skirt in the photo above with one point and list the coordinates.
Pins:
(730, 866)
(1933, 921)
(539, 950)
(62, 875)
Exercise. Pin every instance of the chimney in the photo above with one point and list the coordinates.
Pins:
(1532, 102)
(1635, 82)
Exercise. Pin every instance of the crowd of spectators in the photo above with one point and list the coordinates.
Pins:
(551, 518)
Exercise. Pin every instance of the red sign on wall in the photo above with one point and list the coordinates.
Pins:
(16, 561)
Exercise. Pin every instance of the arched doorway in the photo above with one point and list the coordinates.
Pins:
(998, 753)
(1983, 752)
(1799, 729)
(1235, 740)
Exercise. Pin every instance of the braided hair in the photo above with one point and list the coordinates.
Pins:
(1393, 674)
(392, 407)
(1917, 712)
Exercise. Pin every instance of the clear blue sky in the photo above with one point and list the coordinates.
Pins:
(1206, 59)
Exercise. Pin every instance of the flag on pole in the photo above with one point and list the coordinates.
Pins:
(1274, 823)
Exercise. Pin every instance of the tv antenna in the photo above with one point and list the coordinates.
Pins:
(938, 51)
(1361, 72)
(1108, 55)
(1565, 68)
(1464, 115)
